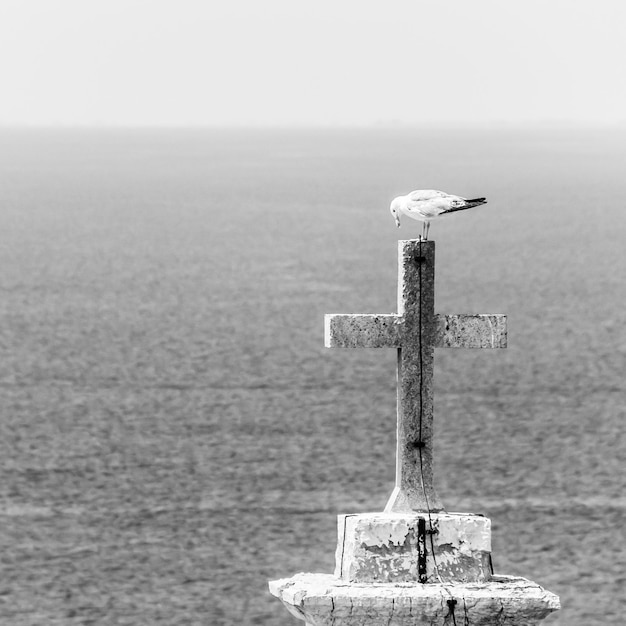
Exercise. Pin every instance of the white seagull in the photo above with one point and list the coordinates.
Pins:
(427, 204)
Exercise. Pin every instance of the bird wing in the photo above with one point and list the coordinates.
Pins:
(427, 203)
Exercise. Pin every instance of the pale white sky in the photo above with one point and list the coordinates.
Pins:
(243, 62)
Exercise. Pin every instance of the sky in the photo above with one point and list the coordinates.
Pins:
(328, 62)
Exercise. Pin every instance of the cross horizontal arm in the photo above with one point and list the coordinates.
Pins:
(385, 331)
(470, 331)
(362, 331)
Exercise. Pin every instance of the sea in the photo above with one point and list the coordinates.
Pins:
(173, 432)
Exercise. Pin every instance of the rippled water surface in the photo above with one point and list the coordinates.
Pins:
(173, 433)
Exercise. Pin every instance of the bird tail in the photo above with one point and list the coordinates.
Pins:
(468, 204)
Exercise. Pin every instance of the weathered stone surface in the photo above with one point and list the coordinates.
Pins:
(415, 331)
(324, 600)
(396, 547)
(470, 331)
(362, 331)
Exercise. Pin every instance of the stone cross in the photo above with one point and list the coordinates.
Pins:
(415, 330)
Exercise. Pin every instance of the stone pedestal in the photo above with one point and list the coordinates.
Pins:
(413, 547)
(325, 600)
(412, 569)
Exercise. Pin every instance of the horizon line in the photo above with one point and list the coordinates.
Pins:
(383, 125)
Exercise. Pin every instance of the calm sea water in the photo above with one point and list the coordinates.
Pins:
(173, 433)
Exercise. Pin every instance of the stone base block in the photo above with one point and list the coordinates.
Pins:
(413, 547)
(324, 600)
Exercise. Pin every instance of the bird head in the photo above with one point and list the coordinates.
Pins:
(395, 211)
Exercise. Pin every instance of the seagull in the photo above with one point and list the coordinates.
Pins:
(427, 204)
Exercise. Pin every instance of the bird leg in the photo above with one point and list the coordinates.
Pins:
(425, 229)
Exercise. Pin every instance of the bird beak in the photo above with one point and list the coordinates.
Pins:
(397, 222)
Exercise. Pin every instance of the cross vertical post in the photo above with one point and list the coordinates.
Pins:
(414, 489)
